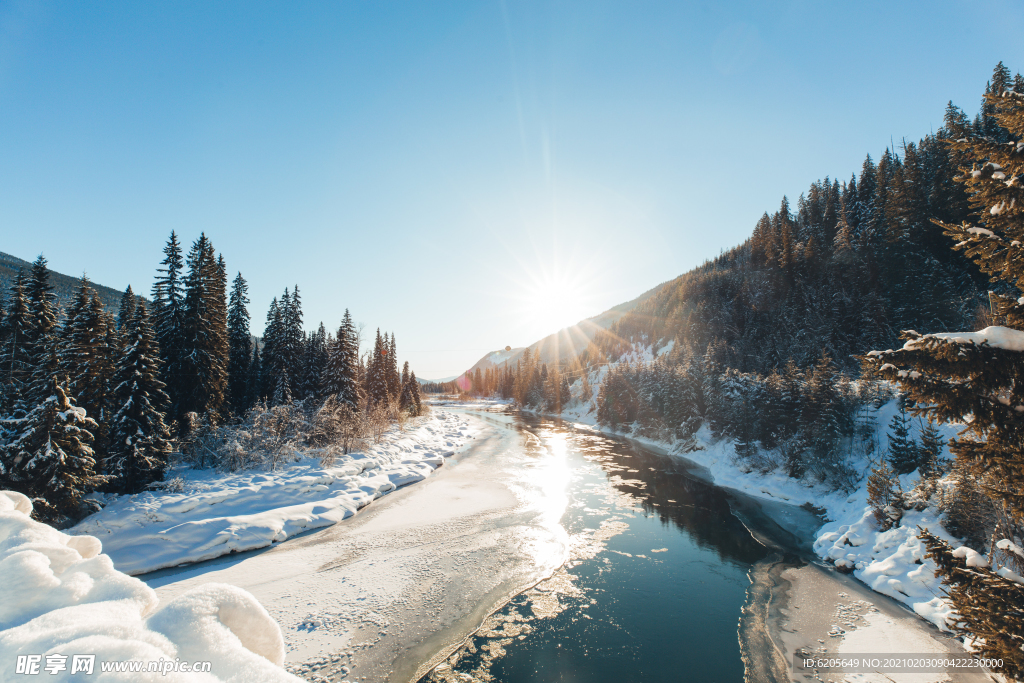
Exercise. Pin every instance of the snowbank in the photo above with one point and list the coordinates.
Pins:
(890, 562)
(223, 513)
(62, 597)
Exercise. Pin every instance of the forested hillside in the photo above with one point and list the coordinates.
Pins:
(64, 286)
(843, 269)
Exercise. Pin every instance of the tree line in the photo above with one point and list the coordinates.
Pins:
(93, 401)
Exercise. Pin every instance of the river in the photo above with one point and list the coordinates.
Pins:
(542, 552)
(661, 566)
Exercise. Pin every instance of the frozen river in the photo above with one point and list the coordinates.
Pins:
(584, 557)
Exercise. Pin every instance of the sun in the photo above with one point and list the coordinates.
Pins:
(553, 299)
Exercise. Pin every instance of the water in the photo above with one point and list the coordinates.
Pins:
(657, 573)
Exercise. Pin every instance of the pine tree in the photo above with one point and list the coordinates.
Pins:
(394, 381)
(139, 444)
(168, 321)
(292, 348)
(239, 347)
(42, 330)
(903, 452)
(205, 343)
(86, 358)
(51, 460)
(254, 384)
(885, 495)
(414, 389)
(377, 374)
(271, 360)
(406, 401)
(953, 375)
(341, 374)
(126, 309)
(315, 364)
(15, 362)
(283, 390)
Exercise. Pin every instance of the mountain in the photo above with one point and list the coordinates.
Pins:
(436, 381)
(64, 286)
(566, 344)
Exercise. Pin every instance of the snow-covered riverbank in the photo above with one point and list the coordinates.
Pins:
(216, 513)
(65, 609)
(890, 562)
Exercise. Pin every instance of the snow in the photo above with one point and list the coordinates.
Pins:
(996, 337)
(221, 513)
(62, 596)
(882, 635)
(891, 562)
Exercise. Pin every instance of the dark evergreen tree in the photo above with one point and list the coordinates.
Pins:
(393, 379)
(377, 374)
(903, 451)
(139, 443)
(271, 360)
(240, 347)
(205, 343)
(51, 460)
(42, 337)
(254, 386)
(168, 321)
(15, 364)
(341, 374)
(950, 376)
(316, 360)
(126, 309)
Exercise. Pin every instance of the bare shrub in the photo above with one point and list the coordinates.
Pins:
(378, 421)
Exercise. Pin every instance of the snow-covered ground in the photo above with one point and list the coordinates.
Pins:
(390, 592)
(217, 513)
(63, 602)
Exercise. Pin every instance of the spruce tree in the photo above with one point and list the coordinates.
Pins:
(139, 441)
(414, 389)
(168, 320)
(951, 376)
(315, 364)
(254, 385)
(204, 340)
(271, 358)
(127, 308)
(341, 374)
(15, 361)
(42, 337)
(240, 346)
(903, 451)
(393, 379)
(377, 374)
(294, 338)
(51, 460)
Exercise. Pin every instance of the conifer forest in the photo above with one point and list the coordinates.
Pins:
(94, 401)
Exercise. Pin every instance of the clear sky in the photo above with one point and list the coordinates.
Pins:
(465, 174)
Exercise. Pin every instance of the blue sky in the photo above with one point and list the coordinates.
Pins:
(465, 174)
